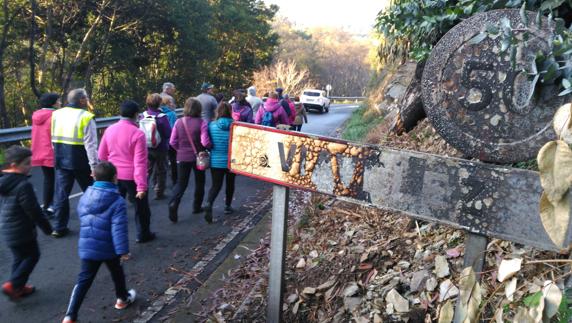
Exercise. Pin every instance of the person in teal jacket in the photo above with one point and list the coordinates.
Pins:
(219, 131)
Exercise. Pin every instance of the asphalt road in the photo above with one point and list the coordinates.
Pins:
(154, 266)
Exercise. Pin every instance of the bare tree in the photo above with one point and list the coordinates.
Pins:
(287, 75)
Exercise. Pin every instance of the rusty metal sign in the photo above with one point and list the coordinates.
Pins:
(480, 198)
(479, 101)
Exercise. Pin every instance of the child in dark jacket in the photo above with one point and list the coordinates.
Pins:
(19, 215)
(103, 238)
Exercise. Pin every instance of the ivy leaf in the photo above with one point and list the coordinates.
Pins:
(505, 44)
(551, 4)
(477, 39)
(523, 15)
(565, 92)
(492, 29)
(566, 83)
(533, 300)
(539, 19)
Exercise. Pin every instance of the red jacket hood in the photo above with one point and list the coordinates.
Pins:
(42, 116)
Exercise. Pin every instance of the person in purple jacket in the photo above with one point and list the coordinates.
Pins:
(158, 156)
(189, 136)
(241, 110)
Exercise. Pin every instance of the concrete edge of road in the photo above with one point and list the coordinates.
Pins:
(202, 270)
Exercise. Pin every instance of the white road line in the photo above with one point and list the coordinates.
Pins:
(169, 295)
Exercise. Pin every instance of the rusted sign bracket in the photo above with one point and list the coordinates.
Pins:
(483, 199)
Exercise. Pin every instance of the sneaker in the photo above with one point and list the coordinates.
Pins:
(228, 210)
(8, 290)
(121, 304)
(68, 319)
(27, 290)
(48, 214)
(150, 237)
(60, 233)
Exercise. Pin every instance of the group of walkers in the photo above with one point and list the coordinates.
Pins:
(139, 149)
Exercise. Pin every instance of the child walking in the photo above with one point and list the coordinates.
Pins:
(19, 215)
(102, 239)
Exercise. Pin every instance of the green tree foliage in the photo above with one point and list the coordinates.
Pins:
(121, 49)
(411, 28)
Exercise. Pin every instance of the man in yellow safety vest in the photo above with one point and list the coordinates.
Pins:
(74, 137)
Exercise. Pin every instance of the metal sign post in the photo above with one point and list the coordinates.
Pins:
(278, 242)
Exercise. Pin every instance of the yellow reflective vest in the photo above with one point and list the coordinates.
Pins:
(68, 125)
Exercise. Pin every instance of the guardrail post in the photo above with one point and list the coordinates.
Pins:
(280, 196)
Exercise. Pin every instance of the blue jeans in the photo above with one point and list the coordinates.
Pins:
(26, 257)
(64, 184)
(88, 272)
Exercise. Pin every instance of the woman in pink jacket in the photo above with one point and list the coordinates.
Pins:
(273, 106)
(125, 146)
(190, 135)
(42, 150)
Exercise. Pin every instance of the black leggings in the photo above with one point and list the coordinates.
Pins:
(218, 175)
(49, 184)
(184, 171)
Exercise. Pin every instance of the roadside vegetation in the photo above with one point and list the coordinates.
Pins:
(361, 122)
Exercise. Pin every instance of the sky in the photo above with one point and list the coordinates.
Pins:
(356, 16)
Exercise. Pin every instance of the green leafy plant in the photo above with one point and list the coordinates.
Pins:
(410, 28)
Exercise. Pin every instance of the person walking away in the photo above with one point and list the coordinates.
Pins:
(74, 138)
(255, 102)
(42, 150)
(219, 97)
(241, 110)
(169, 92)
(168, 108)
(208, 102)
(271, 113)
(103, 238)
(283, 103)
(292, 108)
(301, 117)
(124, 145)
(189, 137)
(219, 131)
(19, 215)
(157, 131)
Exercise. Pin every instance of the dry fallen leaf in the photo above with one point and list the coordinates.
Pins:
(508, 268)
(510, 288)
(470, 298)
(522, 316)
(555, 167)
(446, 313)
(498, 315)
(563, 123)
(552, 298)
(555, 218)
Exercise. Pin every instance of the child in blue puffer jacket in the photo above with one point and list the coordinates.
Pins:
(103, 238)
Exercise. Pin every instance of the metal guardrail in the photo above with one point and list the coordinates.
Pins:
(349, 98)
(25, 133)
